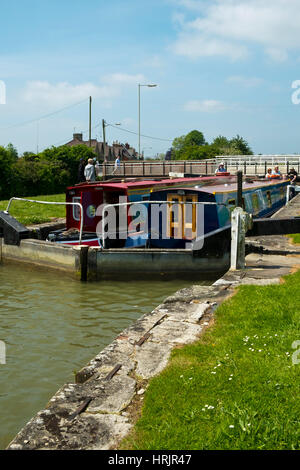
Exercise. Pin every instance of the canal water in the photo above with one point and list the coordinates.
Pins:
(52, 325)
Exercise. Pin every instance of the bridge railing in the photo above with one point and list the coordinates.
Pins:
(250, 165)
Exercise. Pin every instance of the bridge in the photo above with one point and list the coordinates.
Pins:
(251, 165)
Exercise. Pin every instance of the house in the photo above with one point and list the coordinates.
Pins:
(124, 151)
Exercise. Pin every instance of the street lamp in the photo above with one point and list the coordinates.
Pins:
(150, 85)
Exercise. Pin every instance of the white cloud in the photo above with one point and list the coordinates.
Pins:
(194, 46)
(124, 78)
(248, 82)
(229, 28)
(205, 106)
(64, 93)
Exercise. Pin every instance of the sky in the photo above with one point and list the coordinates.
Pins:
(223, 67)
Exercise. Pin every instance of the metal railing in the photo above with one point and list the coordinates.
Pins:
(252, 165)
(52, 203)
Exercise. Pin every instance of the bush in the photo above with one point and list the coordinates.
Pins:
(48, 172)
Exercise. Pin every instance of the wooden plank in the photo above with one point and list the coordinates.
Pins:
(80, 409)
(113, 372)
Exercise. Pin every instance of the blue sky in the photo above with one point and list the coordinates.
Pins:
(224, 67)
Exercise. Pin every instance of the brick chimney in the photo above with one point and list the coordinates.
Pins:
(77, 137)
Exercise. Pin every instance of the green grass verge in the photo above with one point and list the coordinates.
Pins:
(235, 388)
(295, 237)
(32, 213)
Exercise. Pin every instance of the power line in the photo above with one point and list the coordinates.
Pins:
(64, 140)
(147, 136)
(43, 117)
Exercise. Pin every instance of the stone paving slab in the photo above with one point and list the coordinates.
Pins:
(115, 397)
(118, 352)
(151, 359)
(174, 332)
(85, 432)
(194, 314)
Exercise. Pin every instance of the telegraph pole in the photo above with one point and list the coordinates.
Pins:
(104, 143)
(90, 122)
(104, 150)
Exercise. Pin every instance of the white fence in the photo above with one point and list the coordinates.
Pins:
(248, 164)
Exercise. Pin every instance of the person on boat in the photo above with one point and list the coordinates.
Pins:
(117, 165)
(276, 173)
(221, 169)
(89, 171)
(269, 174)
(293, 176)
(80, 174)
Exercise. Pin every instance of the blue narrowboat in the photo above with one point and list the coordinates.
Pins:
(203, 212)
(192, 213)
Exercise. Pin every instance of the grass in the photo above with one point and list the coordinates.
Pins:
(235, 388)
(295, 237)
(29, 213)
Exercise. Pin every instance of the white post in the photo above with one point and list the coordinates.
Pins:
(240, 222)
(2, 352)
(288, 192)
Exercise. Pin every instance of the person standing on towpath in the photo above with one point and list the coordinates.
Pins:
(89, 171)
(117, 165)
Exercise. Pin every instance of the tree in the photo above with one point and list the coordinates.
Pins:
(221, 141)
(193, 139)
(30, 156)
(48, 172)
(68, 157)
(200, 152)
(8, 157)
(241, 146)
(12, 152)
(193, 146)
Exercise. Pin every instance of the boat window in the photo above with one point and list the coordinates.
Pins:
(231, 204)
(190, 211)
(269, 198)
(282, 192)
(255, 203)
(181, 217)
(76, 209)
(174, 216)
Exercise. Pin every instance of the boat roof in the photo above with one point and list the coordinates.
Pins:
(209, 184)
(232, 186)
(141, 183)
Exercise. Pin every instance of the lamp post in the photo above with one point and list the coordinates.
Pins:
(150, 85)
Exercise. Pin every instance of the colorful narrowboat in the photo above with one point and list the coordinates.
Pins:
(166, 213)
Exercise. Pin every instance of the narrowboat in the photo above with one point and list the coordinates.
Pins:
(192, 213)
